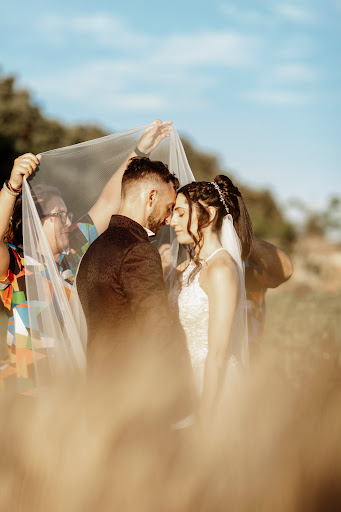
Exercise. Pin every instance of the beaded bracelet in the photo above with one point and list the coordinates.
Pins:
(16, 190)
(12, 191)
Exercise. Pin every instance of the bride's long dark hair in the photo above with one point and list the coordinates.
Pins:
(202, 194)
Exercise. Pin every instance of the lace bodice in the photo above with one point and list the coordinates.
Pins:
(191, 303)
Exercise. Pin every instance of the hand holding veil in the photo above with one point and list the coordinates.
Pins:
(82, 179)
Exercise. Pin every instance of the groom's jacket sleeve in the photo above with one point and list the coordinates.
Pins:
(142, 281)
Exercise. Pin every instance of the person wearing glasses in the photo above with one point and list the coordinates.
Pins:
(68, 243)
(17, 365)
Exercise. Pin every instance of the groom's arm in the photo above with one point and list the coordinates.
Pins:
(109, 201)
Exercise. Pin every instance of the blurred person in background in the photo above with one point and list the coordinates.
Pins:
(67, 242)
(12, 276)
(266, 267)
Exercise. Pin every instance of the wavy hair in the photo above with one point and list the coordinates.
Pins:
(202, 194)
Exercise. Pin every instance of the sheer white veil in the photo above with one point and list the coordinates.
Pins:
(239, 337)
(80, 172)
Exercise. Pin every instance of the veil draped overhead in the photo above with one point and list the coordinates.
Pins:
(79, 172)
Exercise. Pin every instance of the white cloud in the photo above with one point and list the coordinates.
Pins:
(337, 4)
(294, 47)
(241, 15)
(280, 97)
(267, 15)
(137, 102)
(169, 71)
(129, 85)
(220, 49)
(205, 48)
(104, 84)
(294, 13)
(294, 73)
(103, 29)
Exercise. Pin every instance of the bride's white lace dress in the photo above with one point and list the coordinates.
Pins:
(189, 301)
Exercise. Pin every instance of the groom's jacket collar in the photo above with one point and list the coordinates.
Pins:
(121, 221)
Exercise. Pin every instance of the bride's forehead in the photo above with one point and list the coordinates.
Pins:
(181, 201)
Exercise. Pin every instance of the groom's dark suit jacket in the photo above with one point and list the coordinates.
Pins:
(121, 288)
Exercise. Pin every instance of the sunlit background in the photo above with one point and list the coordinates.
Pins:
(255, 82)
(254, 89)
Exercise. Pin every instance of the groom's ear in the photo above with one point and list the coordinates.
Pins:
(152, 196)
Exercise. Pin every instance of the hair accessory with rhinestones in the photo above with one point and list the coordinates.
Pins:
(221, 195)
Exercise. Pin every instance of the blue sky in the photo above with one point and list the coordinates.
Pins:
(257, 82)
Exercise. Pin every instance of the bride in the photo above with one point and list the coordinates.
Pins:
(211, 219)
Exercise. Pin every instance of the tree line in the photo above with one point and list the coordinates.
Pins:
(24, 128)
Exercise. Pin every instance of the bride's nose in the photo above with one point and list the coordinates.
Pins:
(172, 220)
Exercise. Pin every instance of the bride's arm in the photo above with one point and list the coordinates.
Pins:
(222, 288)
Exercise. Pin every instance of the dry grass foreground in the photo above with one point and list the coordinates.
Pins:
(109, 445)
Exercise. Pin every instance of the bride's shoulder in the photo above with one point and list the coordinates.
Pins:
(222, 268)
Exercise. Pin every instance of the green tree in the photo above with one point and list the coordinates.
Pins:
(205, 166)
(24, 128)
(267, 219)
(322, 222)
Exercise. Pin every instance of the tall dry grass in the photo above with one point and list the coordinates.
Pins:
(110, 445)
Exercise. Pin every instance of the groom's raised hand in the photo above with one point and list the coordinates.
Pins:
(109, 201)
(153, 135)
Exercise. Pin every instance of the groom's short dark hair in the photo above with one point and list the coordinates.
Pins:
(140, 169)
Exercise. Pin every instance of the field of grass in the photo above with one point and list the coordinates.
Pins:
(303, 326)
(273, 445)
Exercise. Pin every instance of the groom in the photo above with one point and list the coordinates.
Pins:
(120, 281)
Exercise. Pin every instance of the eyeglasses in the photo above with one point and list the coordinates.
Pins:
(62, 215)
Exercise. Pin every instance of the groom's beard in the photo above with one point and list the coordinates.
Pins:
(155, 220)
